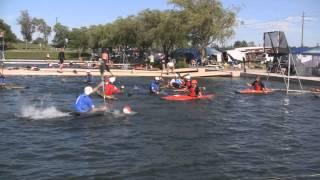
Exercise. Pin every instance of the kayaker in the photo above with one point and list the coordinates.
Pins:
(155, 86)
(194, 90)
(127, 110)
(110, 89)
(89, 78)
(257, 84)
(2, 80)
(187, 81)
(84, 102)
(177, 82)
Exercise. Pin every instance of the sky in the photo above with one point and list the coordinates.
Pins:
(253, 16)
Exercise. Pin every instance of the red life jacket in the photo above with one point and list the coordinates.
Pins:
(187, 84)
(110, 89)
(193, 92)
(257, 86)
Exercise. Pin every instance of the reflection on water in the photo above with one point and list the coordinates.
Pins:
(232, 137)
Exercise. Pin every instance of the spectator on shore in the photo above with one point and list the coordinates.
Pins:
(194, 62)
(61, 59)
(163, 63)
(48, 56)
(104, 61)
(151, 59)
(170, 65)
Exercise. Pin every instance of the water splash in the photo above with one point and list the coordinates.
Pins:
(39, 113)
(286, 101)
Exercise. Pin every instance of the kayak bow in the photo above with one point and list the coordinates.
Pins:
(252, 91)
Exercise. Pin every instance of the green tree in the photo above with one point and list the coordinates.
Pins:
(124, 32)
(244, 43)
(169, 34)
(39, 40)
(27, 26)
(61, 35)
(43, 28)
(237, 44)
(206, 21)
(78, 38)
(147, 22)
(9, 36)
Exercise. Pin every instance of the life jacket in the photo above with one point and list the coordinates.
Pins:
(110, 89)
(187, 84)
(257, 86)
(194, 91)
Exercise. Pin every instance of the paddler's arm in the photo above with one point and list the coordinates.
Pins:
(95, 89)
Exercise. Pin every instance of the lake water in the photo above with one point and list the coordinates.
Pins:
(234, 136)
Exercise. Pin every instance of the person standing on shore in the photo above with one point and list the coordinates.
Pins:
(151, 59)
(163, 62)
(105, 61)
(61, 59)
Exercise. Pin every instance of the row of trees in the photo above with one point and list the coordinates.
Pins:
(243, 43)
(196, 23)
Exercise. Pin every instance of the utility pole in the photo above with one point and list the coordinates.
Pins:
(56, 20)
(302, 29)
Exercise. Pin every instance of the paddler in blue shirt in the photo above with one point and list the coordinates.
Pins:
(89, 78)
(84, 102)
(155, 86)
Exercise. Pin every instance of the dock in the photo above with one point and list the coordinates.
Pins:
(199, 72)
(275, 76)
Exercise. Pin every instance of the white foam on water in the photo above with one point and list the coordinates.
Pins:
(36, 113)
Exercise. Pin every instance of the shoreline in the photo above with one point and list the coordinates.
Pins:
(194, 72)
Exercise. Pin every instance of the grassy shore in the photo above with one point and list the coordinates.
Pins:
(33, 54)
(34, 51)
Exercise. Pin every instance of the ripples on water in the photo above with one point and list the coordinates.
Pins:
(232, 137)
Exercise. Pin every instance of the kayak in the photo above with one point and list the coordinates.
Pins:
(180, 97)
(12, 86)
(252, 91)
(78, 115)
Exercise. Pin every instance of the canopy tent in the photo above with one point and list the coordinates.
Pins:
(193, 53)
(314, 51)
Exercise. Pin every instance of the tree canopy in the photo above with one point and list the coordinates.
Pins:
(9, 36)
(27, 26)
(61, 37)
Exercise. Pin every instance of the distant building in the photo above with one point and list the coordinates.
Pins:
(308, 61)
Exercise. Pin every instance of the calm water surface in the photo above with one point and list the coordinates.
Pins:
(232, 137)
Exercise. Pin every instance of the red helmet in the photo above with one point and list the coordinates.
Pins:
(194, 82)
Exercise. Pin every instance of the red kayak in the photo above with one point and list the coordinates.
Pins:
(180, 97)
(252, 91)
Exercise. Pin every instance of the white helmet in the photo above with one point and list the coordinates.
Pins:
(188, 77)
(112, 79)
(157, 78)
(177, 75)
(88, 90)
(126, 110)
